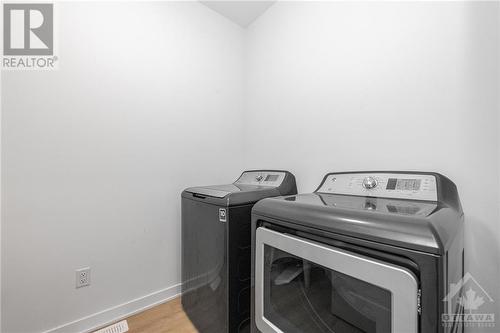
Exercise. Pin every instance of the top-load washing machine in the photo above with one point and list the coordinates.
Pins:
(366, 252)
(216, 249)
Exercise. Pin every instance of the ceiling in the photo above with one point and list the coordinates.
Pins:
(240, 12)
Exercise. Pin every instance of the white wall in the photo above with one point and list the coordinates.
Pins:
(391, 86)
(147, 101)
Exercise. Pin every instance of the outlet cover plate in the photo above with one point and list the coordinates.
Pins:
(82, 277)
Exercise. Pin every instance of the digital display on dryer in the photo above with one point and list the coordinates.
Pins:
(391, 184)
(403, 184)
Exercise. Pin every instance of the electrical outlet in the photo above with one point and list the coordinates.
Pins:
(83, 277)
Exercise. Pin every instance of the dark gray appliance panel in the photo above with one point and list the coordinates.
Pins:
(204, 288)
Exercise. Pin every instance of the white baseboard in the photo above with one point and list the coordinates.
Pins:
(116, 313)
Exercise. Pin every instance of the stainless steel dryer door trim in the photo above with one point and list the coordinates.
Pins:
(399, 281)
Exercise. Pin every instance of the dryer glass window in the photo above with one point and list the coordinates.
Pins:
(301, 296)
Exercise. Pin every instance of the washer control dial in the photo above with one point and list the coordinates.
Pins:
(369, 183)
(259, 178)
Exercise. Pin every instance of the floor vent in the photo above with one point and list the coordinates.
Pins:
(120, 327)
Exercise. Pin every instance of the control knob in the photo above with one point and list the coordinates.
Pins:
(369, 183)
(259, 178)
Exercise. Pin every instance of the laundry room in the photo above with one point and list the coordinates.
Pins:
(250, 166)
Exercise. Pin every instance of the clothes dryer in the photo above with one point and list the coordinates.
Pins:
(366, 252)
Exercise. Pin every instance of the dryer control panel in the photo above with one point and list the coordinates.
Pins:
(380, 184)
(261, 178)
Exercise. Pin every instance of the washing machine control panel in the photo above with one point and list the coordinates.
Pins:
(388, 185)
(261, 178)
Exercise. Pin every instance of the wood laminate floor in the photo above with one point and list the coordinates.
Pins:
(165, 318)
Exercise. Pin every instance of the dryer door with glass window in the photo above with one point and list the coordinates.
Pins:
(306, 286)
